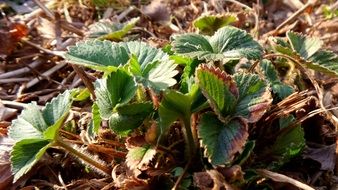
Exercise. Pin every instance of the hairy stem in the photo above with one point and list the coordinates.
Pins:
(59, 142)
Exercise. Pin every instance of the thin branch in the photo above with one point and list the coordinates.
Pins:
(282, 178)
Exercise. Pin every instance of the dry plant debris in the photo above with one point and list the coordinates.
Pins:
(121, 94)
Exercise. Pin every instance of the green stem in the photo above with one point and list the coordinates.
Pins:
(189, 136)
(82, 156)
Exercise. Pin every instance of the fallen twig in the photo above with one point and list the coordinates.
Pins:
(282, 178)
(21, 71)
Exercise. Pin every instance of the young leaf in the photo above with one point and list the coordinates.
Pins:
(280, 89)
(96, 119)
(151, 67)
(25, 154)
(174, 105)
(129, 116)
(289, 144)
(30, 124)
(111, 31)
(208, 24)
(228, 43)
(254, 97)
(219, 88)
(303, 45)
(157, 76)
(144, 53)
(55, 112)
(138, 157)
(118, 88)
(161, 77)
(222, 141)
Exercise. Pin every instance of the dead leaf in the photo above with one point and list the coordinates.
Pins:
(9, 36)
(211, 180)
(5, 164)
(203, 180)
(6, 113)
(325, 155)
(46, 28)
(232, 174)
(157, 11)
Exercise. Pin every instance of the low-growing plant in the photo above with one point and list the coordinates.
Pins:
(216, 100)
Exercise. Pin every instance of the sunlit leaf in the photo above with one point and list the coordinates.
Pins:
(25, 154)
(219, 88)
(208, 24)
(30, 124)
(228, 43)
(118, 88)
(55, 113)
(324, 61)
(107, 30)
(304, 46)
(222, 141)
(96, 54)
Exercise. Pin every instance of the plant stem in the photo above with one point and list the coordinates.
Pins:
(82, 156)
(189, 138)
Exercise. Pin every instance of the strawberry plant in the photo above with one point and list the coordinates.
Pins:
(215, 102)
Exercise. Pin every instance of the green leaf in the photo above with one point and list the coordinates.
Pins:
(269, 71)
(174, 105)
(108, 30)
(118, 88)
(138, 157)
(145, 53)
(30, 124)
(219, 88)
(228, 43)
(248, 149)
(254, 97)
(55, 112)
(128, 117)
(187, 78)
(290, 143)
(98, 55)
(106, 53)
(222, 141)
(25, 154)
(96, 119)
(157, 76)
(208, 24)
(280, 89)
(81, 95)
(303, 45)
(324, 61)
